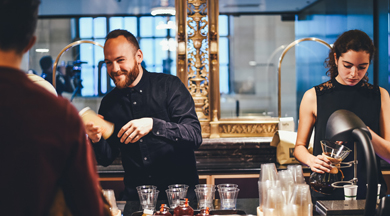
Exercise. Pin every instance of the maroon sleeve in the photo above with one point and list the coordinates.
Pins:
(81, 185)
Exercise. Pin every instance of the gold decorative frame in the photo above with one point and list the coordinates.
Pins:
(198, 68)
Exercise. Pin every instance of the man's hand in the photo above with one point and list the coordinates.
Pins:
(94, 132)
(135, 130)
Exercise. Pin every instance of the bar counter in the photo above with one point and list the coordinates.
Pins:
(223, 160)
(248, 205)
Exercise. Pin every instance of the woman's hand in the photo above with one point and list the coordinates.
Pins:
(319, 164)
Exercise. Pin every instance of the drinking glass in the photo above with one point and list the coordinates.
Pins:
(274, 204)
(263, 190)
(110, 196)
(146, 187)
(286, 182)
(297, 173)
(300, 202)
(148, 198)
(227, 186)
(174, 195)
(205, 197)
(228, 197)
(182, 187)
(204, 186)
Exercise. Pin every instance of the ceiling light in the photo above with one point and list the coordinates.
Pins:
(42, 50)
(168, 44)
(163, 9)
(169, 25)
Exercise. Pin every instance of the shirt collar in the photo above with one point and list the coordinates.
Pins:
(142, 84)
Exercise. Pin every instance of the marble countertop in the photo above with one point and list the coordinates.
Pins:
(222, 155)
(227, 156)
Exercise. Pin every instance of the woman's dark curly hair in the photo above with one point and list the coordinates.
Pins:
(355, 40)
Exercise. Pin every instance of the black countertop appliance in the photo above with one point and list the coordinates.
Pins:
(344, 125)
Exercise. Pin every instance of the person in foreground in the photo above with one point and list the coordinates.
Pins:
(44, 149)
(156, 126)
(348, 89)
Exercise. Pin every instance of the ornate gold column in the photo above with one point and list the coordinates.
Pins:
(197, 23)
(181, 38)
(215, 105)
(198, 61)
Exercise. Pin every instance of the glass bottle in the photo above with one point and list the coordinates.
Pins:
(184, 209)
(164, 210)
(204, 211)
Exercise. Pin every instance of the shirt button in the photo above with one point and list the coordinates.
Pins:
(157, 133)
(134, 103)
(177, 139)
(140, 90)
(150, 176)
(145, 158)
(140, 140)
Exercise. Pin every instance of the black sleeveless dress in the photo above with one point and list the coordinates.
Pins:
(364, 100)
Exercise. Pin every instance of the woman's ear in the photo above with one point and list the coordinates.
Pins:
(335, 58)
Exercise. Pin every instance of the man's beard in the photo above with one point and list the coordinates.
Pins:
(131, 75)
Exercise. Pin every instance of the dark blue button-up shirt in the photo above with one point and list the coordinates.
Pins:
(164, 156)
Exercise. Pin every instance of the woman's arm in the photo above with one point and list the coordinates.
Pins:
(307, 118)
(381, 143)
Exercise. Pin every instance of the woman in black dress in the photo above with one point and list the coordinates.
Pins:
(348, 88)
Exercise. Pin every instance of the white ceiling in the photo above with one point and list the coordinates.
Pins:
(142, 7)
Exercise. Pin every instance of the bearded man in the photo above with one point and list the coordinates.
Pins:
(156, 126)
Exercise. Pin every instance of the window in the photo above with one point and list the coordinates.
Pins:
(94, 29)
(156, 36)
(224, 72)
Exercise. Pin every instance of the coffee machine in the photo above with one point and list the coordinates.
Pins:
(343, 125)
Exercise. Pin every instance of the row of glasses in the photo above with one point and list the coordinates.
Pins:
(205, 194)
(148, 195)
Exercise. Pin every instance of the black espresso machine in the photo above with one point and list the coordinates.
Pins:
(343, 125)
